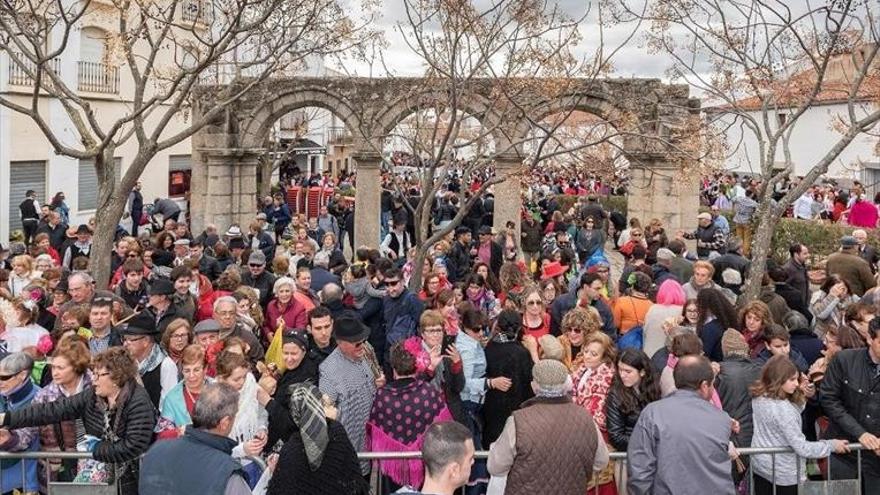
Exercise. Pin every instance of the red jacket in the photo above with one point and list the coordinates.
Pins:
(294, 313)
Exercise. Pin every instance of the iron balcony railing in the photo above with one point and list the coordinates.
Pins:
(20, 73)
(338, 135)
(96, 77)
(196, 11)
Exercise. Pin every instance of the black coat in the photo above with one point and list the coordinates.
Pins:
(619, 424)
(807, 343)
(458, 263)
(849, 396)
(339, 473)
(511, 360)
(730, 260)
(133, 425)
(794, 299)
(209, 267)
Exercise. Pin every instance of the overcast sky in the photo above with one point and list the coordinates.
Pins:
(631, 61)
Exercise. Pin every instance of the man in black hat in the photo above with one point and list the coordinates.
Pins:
(489, 251)
(81, 247)
(158, 372)
(160, 306)
(349, 377)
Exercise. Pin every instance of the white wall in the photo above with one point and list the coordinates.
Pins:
(812, 137)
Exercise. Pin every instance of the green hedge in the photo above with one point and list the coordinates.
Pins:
(822, 238)
(610, 203)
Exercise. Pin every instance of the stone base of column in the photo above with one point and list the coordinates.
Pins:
(367, 205)
(508, 197)
(660, 192)
(224, 189)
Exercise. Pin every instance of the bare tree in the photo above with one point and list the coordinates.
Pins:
(758, 60)
(528, 52)
(163, 50)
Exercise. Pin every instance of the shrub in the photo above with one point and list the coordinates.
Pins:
(822, 238)
(610, 203)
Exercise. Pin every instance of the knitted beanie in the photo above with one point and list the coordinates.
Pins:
(734, 344)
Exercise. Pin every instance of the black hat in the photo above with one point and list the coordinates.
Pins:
(296, 336)
(485, 230)
(161, 287)
(236, 243)
(350, 329)
(62, 286)
(83, 229)
(141, 324)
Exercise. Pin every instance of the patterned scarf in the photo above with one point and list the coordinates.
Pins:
(307, 412)
(153, 360)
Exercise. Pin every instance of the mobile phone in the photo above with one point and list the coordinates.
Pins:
(448, 340)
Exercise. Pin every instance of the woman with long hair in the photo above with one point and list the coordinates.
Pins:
(776, 411)
(635, 386)
(492, 282)
(715, 315)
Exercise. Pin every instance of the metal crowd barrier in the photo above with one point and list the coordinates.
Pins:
(826, 486)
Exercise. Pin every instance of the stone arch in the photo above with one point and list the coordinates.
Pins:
(255, 128)
(598, 104)
(473, 104)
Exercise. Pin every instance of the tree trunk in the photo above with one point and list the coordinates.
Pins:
(761, 243)
(111, 204)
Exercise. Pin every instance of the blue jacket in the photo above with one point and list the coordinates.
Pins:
(160, 467)
(11, 472)
(173, 406)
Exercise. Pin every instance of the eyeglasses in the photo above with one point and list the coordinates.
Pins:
(133, 255)
(102, 299)
(254, 265)
(534, 303)
(574, 330)
(359, 344)
(180, 336)
(433, 330)
(102, 374)
(131, 340)
(6, 378)
(392, 283)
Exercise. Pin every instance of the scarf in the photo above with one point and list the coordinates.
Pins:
(307, 413)
(153, 360)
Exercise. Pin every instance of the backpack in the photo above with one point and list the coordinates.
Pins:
(634, 339)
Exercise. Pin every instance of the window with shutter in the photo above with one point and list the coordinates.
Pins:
(179, 175)
(24, 176)
(87, 183)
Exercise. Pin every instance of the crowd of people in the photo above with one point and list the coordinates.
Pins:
(271, 344)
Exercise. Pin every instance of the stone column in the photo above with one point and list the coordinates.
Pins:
(508, 194)
(658, 190)
(367, 199)
(224, 188)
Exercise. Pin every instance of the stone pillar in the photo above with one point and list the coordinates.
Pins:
(224, 188)
(658, 190)
(508, 194)
(367, 199)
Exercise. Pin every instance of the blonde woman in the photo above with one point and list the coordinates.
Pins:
(22, 275)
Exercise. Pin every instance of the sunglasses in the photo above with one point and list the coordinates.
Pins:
(575, 330)
(6, 378)
(102, 299)
(254, 265)
(392, 283)
(534, 303)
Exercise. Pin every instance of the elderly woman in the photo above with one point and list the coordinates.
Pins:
(178, 405)
(318, 457)
(438, 363)
(284, 307)
(576, 325)
(508, 374)
(592, 381)
(70, 376)
(17, 392)
(298, 369)
(22, 275)
(116, 410)
(402, 411)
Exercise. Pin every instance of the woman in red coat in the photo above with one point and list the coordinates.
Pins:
(284, 305)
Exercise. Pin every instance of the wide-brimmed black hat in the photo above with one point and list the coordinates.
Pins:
(141, 324)
(83, 229)
(350, 329)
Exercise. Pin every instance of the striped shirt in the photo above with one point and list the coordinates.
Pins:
(352, 388)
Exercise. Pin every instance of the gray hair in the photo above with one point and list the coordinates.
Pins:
(224, 300)
(281, 282)
(331, 292)
(83, 277)
(322, 259)
(217, 401)
(16, 363)
(794, 320)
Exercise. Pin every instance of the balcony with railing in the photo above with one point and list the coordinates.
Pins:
(95, 77)
(20, 73)
(339, 135)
